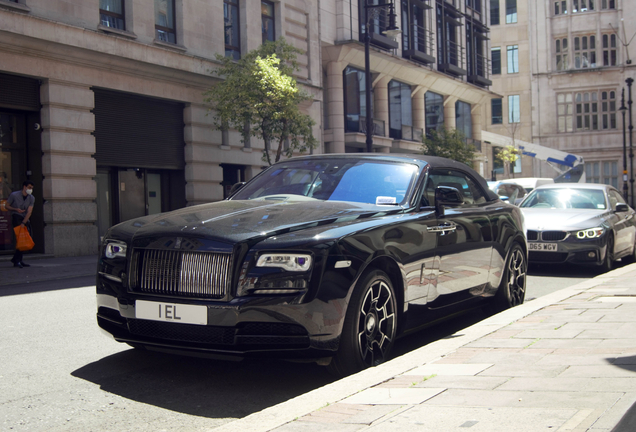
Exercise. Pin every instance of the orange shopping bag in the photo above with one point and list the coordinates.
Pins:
(24, 241)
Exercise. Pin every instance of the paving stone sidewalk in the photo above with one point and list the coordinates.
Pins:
(563, 362)
(46, 268)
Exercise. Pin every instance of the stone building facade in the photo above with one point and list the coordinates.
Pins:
(102, 105)
(579, 66)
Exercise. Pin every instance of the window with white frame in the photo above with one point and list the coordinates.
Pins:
(561, 46)
(609, 49)
(512, 55)
(584, 52)
(514, 109)
(605, 172)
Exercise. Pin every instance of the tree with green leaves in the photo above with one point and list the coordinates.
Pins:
(508, 156)
(259, 97)
(449, 143)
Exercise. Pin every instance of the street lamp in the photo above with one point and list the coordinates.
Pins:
(629, 82)
(392, 30)
(623, 109)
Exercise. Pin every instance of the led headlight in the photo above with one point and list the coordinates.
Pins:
(590, 233)
(115, 249)
(289, 262)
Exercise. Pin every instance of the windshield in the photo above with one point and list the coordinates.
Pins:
(373, 182)
(593, 199)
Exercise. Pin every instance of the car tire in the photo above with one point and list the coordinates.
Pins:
(608, 261)
(512, 289)
(370, 326)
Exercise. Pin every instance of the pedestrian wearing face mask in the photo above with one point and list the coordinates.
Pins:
(20, 204)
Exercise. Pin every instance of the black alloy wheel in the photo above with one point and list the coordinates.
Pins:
(512, 290)
(370, 326)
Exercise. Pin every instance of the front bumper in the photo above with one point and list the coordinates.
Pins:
(571, 250)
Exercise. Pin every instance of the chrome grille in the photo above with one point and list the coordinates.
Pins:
(181, 273)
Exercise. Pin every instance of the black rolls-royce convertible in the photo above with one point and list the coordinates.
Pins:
(326, 257)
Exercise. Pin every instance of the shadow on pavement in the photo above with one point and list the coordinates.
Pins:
(49, 285)
(202, 387)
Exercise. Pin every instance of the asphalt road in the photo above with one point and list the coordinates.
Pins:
(58, 372)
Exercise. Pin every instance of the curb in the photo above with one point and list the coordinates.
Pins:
(285, 412)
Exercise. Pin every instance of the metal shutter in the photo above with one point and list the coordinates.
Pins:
(138, 132)
(19, 92)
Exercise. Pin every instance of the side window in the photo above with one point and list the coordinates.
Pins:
(471, 192)
(615, 198)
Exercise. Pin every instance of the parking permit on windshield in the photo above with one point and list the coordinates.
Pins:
(383, 200)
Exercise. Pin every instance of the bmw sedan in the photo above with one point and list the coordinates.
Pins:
(587, 224)
(327, 258)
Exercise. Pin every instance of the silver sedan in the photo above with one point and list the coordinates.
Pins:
(579, 223)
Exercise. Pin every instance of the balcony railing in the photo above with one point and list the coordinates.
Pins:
(451, 58)
(407, 133)
(418, 45)
(479, 70)
(359, 124)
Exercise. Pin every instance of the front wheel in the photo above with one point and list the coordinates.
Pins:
(608, 262)
(370, 326)
(512, 289)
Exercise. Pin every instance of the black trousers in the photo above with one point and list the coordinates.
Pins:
(16, 220)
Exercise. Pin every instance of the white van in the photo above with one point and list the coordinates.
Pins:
(530, 183)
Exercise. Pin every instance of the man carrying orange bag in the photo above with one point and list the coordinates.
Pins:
(20, 204)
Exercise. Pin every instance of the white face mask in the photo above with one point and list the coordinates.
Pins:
(29, 191)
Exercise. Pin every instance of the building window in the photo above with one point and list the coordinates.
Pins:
(434, 112)
(514, 110)
(463, 119)
(111, 13)
(449, 50)
(564, 112)
(586, 111)
(164, 21)
(582, 5)
(608, 109)
(584, 52)
(495, 55)
(560, 7)
(231, 23)
(608, 4)
(416, 37)
(496, 108)
(511, 11)
(512, 56)
(494, 12)
(476, 61)
(602, 172)
(267, 21)
(609, 49)
(400, 111)
(354, 100)
(562, 54)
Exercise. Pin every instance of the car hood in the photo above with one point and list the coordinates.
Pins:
(562, 220)
(235, 221)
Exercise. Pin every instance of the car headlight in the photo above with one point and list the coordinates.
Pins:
(590, 233)
(115, 249)
(289, 262)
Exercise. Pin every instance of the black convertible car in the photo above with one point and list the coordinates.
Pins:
(326, 258)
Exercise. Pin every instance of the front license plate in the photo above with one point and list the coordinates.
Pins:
(543, 247)
(171, 312)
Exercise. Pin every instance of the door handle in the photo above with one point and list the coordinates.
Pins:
(446, 227)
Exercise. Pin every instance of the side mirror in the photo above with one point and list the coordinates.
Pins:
(236, 187)
(447, 196)
(620, 208)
